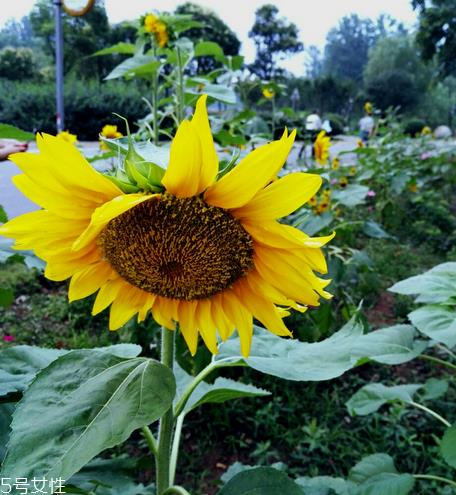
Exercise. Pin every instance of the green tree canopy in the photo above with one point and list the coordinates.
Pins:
(436, 34)
(274, 37)
(17, 63)
(212, 29)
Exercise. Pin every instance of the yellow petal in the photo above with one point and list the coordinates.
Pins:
(182, 177)
(239, 186)
(241, 318)
(107, 294)
(281, 198)
(89, 280)
(164, 311)
(125, 305)
(206, 325)
(104, 214)
(223, 324)
(209, 158)
(187, 324)
(147, 306)
(262, 309)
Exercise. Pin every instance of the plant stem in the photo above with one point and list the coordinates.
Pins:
(431, 412)
(445, 349)
(434, 478)
(166, 422)
(273, 117)
(438, 361)
(175, 447)
(178, 490)
(155, 103)
(151, 442)
(180, 87)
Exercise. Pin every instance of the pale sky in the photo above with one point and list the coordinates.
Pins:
(313, 18)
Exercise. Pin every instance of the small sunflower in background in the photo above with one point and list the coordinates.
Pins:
(352, 171)
(426, 131)
(321, 148)
(360, 143)
(109, 131)
(155, 26)
(68, 137)
(268, 93)
(335, 163)
(205, 251)
(343, 182)
(368, 108)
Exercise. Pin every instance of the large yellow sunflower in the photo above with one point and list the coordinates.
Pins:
(207, 253)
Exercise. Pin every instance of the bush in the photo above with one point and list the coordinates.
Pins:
(17, 63)
(413, 126)
(88, 106)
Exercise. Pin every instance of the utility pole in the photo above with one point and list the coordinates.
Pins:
(60, 115)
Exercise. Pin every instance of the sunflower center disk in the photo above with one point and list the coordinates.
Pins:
(181, 248)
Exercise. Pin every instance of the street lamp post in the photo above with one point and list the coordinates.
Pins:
(60, 109)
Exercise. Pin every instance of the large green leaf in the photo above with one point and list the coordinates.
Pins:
(371, 397)
(312, 224)
(373, 229)
(81, 404)
(20, 364)
(448, 446)
(121, 47)
(6, 415)
(352, 195)
(391, 345)
(108, 477)
(434, 286)
(434, 389)
(8, 131)
(219, 92)
(371, 466)
(437, 322)
(325, 485)
(209, 48)
(261, 481)
(139, 65)
(220, 391)
(295, 360)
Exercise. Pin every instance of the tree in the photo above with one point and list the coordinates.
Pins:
(313, 62)
(274, 38)
(436, 34)
(397, 53)
(347, 47)
(17, 63)
(17, 33)
(396, 88)
(212, 29)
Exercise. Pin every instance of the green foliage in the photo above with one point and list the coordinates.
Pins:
(273, 37)
(448, 446)
(413, 126)
(89, 394)
(17, 64)
(395, 88)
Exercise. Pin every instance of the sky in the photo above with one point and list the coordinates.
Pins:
(314, 19)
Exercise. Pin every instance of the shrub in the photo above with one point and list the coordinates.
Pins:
(413, 126)
(17, 63)
(88, 106)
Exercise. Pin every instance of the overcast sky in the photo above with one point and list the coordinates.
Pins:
(313, 18)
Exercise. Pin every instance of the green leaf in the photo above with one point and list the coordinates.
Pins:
(312, 224)
(448, 446)
(434, 389)
(220, 391)
(20, 364)
(391, 345)
(437, 322)
(373, 229)
(6, 297)
(352, 195)
(325, 485)
(386, 484)
(371, 397)
(10, 132)
(371, 466)
(3, 215)
(121, 47)
(108, 477)
(6, 415)
(295, 360)
(434, 286)
(93, 401)
(219, 92)
(261, 481)
(139, 65)
(209, 48)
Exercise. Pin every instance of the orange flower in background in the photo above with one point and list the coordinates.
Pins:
(207, 253)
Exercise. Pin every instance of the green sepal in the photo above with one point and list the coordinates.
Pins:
(126, 187)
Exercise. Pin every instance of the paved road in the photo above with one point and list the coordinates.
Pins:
(16, 204)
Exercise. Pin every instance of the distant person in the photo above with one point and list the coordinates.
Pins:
(10, 146)
(366, 128)
(313, 127)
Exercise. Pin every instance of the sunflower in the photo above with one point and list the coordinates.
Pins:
(109, 131)
(321, 148)
(67, 136)
(268, 93)
(207, 252)
(368, 108)
(153, 25)
(335, 163)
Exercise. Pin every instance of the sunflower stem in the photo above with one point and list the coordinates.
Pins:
(175, 447)
(431, 412)
(433, 477)
(155, 103)
(150, 439)
(166, 421)
(438, 361)
(180, 87)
